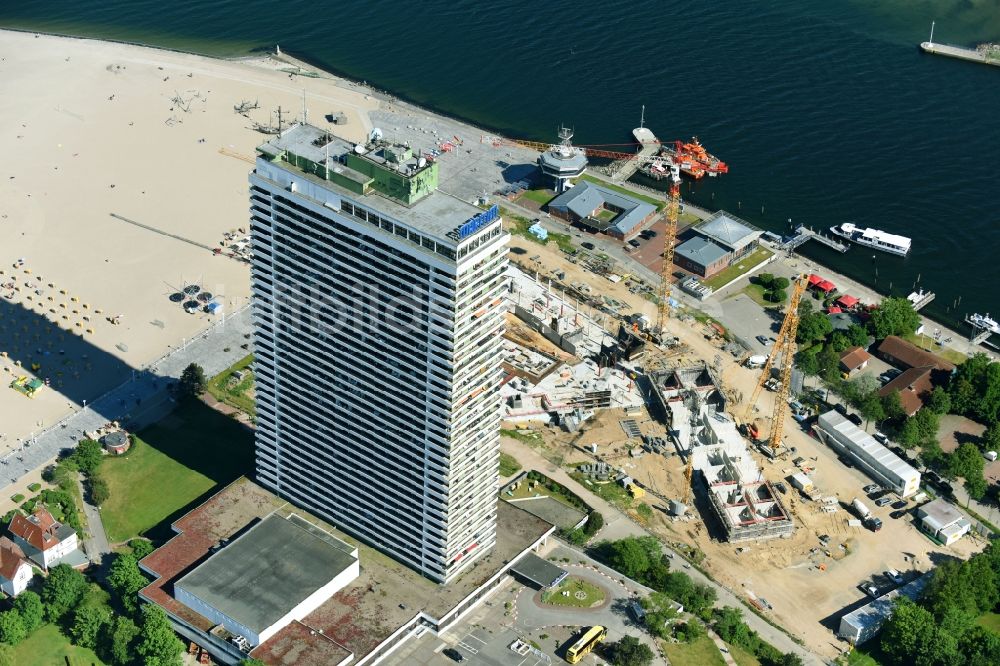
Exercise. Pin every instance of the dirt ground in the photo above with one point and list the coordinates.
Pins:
(806, 599)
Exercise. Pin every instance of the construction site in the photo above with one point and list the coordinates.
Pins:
(718, 480)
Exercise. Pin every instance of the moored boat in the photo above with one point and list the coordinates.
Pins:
(873, 238)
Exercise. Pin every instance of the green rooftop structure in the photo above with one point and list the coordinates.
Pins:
(375, 167)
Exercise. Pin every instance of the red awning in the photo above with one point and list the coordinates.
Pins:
(834, 310)
(814, 280)
(848, 301)
(826, 285)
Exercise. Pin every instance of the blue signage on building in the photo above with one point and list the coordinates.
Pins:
(476, 223)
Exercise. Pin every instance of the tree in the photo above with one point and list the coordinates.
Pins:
(895, 316)
(966, 461)
(980, 647)
(630, 651)
(690, 631)
(62, 590)
(628, 557)
(250, 661)
(120, 640)
(29, 606)
(728, 623)
(813, 326)
(99, 490)
(780, 283)
(126, 580)
(88, 624)
(893, 405)
(193, 382)
(991, 438)
(939, 401)
(909, 634)
(829, 364)
(791, 659)
(12, 629)
(595, 521)
(858, 337)
(766, 280)
(143, 547)
(776, 295)
(88, 455)
(807, 362)
(871, 407)
(158, 645)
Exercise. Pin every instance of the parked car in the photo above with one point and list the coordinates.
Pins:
(763, 340)
(587, 246)
(855, 419)
(899, 504)
(894, 576)
(882, 501)
(870, 590)
(454, 655)
(871, 488)
(634, 243)
(880, 438)
(898, 514)
(846, 462)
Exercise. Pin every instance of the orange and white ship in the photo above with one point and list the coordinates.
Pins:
(691, 157)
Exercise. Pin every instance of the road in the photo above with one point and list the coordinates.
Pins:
(618, 526)
(140, 400)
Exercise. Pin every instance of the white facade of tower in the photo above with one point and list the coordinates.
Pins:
(378, 338)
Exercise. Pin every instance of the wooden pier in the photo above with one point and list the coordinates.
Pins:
(650, 146)
(804, 233)
(920, 298)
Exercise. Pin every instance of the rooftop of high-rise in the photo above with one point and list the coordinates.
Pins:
(396, 180)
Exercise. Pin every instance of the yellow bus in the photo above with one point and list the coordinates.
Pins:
(591, 637)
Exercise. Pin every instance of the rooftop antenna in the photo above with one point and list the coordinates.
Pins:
(305, 112)
(565, 134)
(642, 118)
(931, 40)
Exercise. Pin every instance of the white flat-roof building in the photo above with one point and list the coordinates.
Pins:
(839, 433)
(943, 521)
(864, 623)
(378, 311)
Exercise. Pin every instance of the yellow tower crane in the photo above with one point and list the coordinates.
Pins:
(673, 210)
(784, 346)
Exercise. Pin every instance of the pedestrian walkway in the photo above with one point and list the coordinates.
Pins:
(96, 543)
(138, 401)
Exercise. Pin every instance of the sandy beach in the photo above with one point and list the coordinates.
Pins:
(94, 129)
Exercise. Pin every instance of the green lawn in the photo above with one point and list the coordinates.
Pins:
(582, 594)
(225, 389)
(701, 652)
(659, 203)
(745, 264)
(991, 621)
(927, 343)
(48, 647)
(609, 492)
(541, 197)
(741, 656)
(172, 464)
(859, 657)
(606, 215)
(509, 465)
(518, 225)
(756, 294)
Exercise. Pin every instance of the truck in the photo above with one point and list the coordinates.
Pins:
(756, 361)
(867, 519)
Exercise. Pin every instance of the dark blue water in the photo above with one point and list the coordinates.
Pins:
(825, 111)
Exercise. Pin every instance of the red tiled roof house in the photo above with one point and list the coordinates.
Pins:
(42, 538)
(15, 570)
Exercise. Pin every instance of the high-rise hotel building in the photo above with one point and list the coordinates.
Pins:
(377, 303)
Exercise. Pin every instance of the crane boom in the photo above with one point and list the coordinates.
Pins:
(673, 210)
(785, 346)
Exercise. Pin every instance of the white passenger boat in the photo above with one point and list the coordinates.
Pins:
(984, 321)
(879, 240)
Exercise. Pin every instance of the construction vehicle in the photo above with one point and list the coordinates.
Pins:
(784, 347)
(862, 511)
